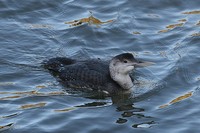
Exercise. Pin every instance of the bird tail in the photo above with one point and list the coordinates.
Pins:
(55, 64)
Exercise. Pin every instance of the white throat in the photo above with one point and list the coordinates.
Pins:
(123, 79)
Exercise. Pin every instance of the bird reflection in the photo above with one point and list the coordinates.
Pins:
(124, 103)
(129, 112)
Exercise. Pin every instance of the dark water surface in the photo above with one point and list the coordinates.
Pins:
(165, 32)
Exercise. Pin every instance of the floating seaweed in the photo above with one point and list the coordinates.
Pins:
(178, 99)
(55, 93)
(163, 31)
(25, 92)
(192, 12)
(29, 106)
(41, 86)
(182, 20)
(30, 93)
(90, 20)
(163, 106)
(136, 33)
(195, 34)
(10, 97)
(172, 26)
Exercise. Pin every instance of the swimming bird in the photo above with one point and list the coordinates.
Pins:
(95, 74)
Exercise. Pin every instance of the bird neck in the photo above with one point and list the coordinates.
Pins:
(124, 80)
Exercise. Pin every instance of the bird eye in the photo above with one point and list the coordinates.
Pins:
(125, 61)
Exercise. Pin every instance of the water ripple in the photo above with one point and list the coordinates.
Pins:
(165, 32)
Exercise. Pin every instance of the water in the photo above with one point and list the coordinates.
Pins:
(165, 32)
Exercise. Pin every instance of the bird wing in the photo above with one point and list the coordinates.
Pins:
(89, 74)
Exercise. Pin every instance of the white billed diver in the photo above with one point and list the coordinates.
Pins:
(94, 74)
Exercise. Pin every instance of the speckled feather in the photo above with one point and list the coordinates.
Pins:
(88, 74)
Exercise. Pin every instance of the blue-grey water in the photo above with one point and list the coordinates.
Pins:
(166, 97)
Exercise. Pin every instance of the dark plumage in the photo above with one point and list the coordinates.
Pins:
(89, 74)
(93, 74)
